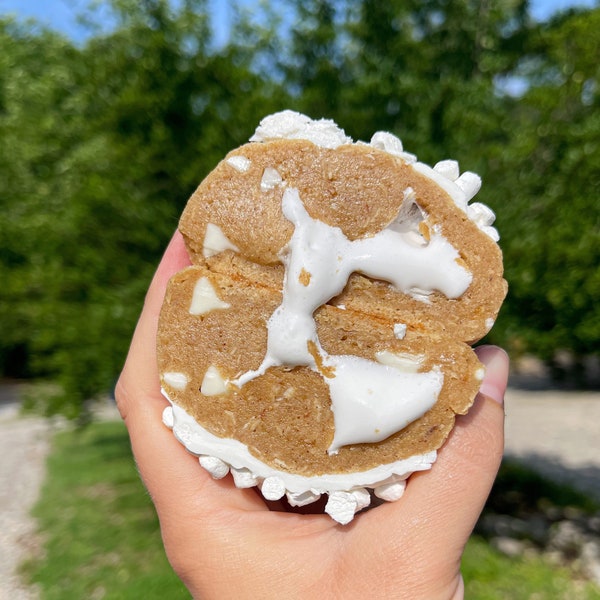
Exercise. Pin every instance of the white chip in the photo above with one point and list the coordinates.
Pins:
(390, 492)
(400, 330)
(273, 488)
(469, 183)
(243, 478)
(167, 417)
(239, 163)
(177, 381)
(302, 498)
(215, 466)
(270, 179)
(205, 299)
(341, 506)
(213, 383)
(215, 241)
(448, 168)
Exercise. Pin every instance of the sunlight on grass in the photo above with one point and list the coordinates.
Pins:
(101, 538)
(489, 575)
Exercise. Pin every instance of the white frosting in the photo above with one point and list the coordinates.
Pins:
(366, 403)
(215, 241)
(239, 163)
(392, 145)
(294, 126)
(371, 401)
(205, 299)
(248, 471)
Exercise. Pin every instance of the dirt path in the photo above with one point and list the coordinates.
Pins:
(557, 433)
(24, 445)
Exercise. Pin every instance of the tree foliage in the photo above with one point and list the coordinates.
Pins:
(101, 143)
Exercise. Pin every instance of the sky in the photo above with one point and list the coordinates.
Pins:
(61, 14)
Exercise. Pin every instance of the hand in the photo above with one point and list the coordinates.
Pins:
(227, 543)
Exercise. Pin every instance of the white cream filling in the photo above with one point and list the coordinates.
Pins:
(201, 442)
(370, 400)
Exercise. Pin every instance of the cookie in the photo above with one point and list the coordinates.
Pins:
(320, 341)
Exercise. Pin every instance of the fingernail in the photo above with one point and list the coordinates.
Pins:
(496, 373)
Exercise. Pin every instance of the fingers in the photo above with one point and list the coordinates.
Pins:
(462, 477)
(172, 476)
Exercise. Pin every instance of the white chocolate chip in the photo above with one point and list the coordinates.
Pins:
(239, 163)
(407, 363)
(270, 179)
(448, 168)
(213, 383)
(177, 381)
(273, 488)
(362, 497)
(205, 299)
(215, 241)
(491, 232)
(243, 478)
(469, 183)
(302, 498)
(390, 492)
(383, 140)
(400, 330)
(168, 418)
(481, 214)
(341, 506)
(215, 466)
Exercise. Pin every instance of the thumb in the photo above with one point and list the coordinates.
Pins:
(463, 475)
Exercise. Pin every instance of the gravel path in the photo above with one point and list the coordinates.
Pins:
(557, 433)
(24, 444)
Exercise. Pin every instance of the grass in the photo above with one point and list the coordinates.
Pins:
(101, 538)
(100, 535)
(490, 575)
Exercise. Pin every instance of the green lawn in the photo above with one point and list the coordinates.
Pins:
(100, 533)
(101, 538)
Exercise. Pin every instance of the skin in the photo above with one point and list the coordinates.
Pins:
(226, 543)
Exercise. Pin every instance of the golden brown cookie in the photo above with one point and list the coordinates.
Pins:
(319, 344)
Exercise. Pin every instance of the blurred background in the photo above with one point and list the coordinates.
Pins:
(112, 112)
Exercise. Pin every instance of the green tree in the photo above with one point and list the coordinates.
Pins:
(549, 177)
(102, 145)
